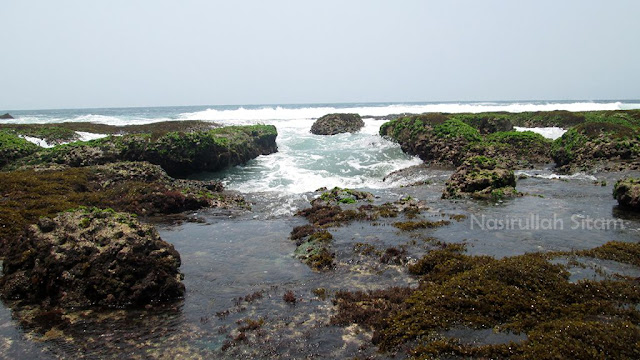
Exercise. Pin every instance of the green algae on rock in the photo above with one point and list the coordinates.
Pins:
(481, 178)
(449, 139)
(179, 153)
(581, 146)
(627, 192)
(332, 124)
(339, 195)
(67, 131)
(136, 187)
(13, 147)
(89, 257)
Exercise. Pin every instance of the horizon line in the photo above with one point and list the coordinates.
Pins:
(330, 103)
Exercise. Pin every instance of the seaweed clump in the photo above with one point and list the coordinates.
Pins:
(521, 294)
(313, 247)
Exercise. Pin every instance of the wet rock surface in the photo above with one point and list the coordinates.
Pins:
(481, 178)
(140, 188)
(583, 146)
(91, 257)
(6, 116)
(598, 140)
(627, 192)
(333, 124)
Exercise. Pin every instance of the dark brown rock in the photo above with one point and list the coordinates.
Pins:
(480, 177)
(333, 124)
(91, 257)
(6, 116)
(627, 192)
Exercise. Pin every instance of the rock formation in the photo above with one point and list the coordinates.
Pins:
(333, 124)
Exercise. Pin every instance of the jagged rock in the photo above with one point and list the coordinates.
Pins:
(6, 116)
(91, 257)
(332, 124)
(627, 192)
(481, 178)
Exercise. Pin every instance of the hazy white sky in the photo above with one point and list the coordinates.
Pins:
(70, 54)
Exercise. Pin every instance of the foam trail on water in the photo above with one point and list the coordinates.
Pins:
(39, 142)
(305, 162)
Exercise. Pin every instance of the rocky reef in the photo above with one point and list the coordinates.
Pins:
(6, 116)
(332, 124)
(584, 145)
(447, 140)
(597, 139)
(627, 192)
(178, 153)
(91, 257)
(480, 177)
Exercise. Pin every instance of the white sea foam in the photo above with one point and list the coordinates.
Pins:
(86, 136)
(82, 136)
(252, 115)
(39, 142)
(545, 174)
(548, 132)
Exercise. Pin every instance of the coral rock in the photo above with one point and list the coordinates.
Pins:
(91, 257)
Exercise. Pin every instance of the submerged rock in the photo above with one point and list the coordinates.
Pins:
(333, 124)
(6, 116)
(481, 178)
(91, 257)
(627, 192)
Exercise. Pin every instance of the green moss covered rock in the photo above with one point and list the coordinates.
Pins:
(627, 192)
(582, 146)
(480, 177)
(179, 153)
(332, 124)
(13, 147)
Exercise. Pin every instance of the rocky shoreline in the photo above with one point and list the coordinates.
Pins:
(85, 194)
(133, 173)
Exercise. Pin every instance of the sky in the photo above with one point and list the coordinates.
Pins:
(113, 53)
